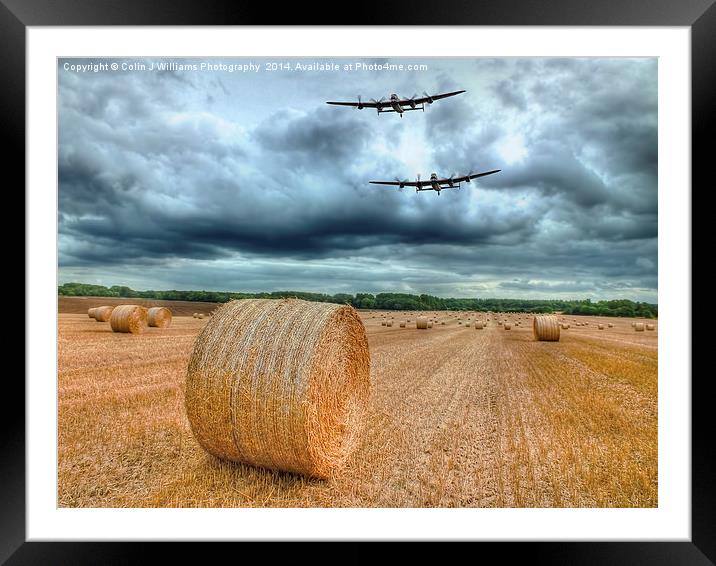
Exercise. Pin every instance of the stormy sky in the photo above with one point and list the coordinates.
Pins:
(248, 181)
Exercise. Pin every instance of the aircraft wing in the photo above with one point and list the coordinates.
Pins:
(423, 99)
(362, 104)
(466, 177)
(398, 183)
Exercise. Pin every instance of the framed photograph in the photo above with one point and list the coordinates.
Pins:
(424, 277)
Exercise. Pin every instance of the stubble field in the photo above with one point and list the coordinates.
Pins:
(457, 417)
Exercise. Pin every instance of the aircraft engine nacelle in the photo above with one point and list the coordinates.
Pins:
(413, 105)
(402, 185)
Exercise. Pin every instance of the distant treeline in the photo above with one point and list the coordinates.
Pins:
(387, 301)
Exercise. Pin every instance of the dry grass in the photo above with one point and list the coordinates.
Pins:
(545, 328)
(280, 384)
(456, 418)
(159, 317)
(128, 318)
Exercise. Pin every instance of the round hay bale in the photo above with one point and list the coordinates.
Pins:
(103, 314)
(91, 311)
(639, 326)
(280, 384)
(479, 325)
(421, 323)
(128, 318)
(160, 317)
(545, 328)
(565, 325)
(600, 326)
(430, 324)
(383, 323)
(200, 315)
(650, 327)
(389, 323)
(633, 324)
(507, 326)
(402, 324)
(610, 325)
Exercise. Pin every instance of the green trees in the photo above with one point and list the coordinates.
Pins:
(387, 301)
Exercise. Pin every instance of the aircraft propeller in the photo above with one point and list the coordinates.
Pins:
(430, 98)
(360, 104)
(402, 183)
(411, 101)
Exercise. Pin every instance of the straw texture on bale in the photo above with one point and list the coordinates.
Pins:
(639, 326)
(161, 317)
(280, 384)
(545, 328)
(103, 314)
(128, 318)
(421, 323)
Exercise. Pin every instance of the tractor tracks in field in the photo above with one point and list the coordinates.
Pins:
(436, 432)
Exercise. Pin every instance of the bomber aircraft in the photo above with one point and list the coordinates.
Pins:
(397, 104)
(434, 183)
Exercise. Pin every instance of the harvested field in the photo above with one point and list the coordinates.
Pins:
(456, 418)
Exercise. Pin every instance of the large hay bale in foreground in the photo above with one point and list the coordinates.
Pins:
(280, 384)
(160, 317)
(103, 314)
(545, 328)
(421, 323)
(128, 318)
(639, 326)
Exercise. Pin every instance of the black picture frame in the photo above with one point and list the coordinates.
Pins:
(17, 15)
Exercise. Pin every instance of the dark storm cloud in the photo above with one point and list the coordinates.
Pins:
(150, 173)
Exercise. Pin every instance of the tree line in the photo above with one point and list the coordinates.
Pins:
(385, 301)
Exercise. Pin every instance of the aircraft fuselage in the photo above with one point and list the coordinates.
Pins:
(395, 104)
